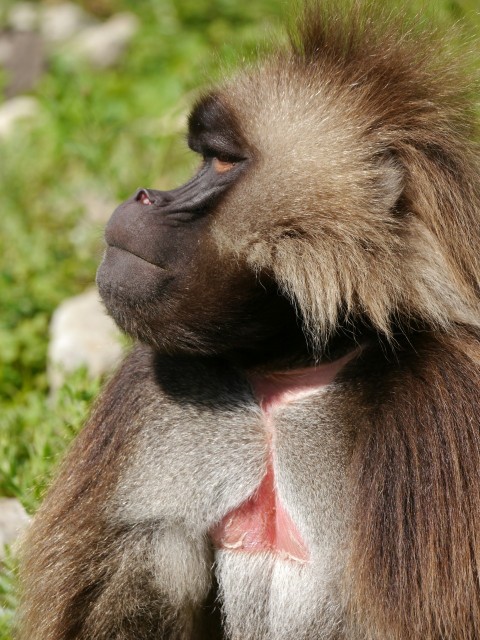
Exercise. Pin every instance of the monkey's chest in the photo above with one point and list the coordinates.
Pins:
(263, 523)
(287, 537)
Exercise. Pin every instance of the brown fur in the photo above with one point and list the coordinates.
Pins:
(416, 552)
(363, 204)
(86, 576)
(373, 109)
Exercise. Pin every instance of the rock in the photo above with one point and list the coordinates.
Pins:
(60, 22)
(24, 16)
(102, 45)
(20, 108)
(13, 521)
(82, 335)
(22, 55)
(5, 47)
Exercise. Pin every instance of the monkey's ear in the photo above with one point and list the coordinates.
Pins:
(391, 179)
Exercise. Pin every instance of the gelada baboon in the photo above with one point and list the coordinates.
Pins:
(292, 451)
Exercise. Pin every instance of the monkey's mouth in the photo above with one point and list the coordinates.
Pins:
(122, 253)
(127, 275)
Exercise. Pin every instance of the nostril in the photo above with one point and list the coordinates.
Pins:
(143, 197)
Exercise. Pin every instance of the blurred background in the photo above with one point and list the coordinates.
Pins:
(93, 103)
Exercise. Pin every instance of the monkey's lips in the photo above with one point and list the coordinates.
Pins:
(127, 275)
(261, 524)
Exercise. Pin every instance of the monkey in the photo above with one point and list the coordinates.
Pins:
(292, 447)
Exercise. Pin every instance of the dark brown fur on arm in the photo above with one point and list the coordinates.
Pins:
(86, 577)
(415, 474)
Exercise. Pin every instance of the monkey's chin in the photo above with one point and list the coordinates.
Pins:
(131, 289)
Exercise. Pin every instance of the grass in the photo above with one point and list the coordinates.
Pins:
(98, 135)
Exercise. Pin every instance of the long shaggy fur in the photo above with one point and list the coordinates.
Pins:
(414, 569)
(382, 116)
(363, 206)
(415, 106)
(415, 564)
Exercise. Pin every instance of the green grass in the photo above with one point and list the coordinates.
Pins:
(99, 133)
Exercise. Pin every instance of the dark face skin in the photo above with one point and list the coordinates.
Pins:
(162, 278)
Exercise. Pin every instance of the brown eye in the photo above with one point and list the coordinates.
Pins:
(222, 166)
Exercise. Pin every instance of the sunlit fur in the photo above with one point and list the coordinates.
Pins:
(362, 202)
(365, 195)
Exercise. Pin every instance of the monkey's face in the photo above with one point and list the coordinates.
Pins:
(254, 247)
(164, 278)
(297, 226)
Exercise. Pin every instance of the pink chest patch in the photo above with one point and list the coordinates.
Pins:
(262, 523)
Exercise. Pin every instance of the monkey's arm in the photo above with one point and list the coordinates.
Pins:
(89, 575)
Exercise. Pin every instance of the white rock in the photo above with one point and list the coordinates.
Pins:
(102, 45)
(60, 22)
(24, 16)
(81, 334)
(13, 521)
(5, 49)
(22, 57)
(15, 109)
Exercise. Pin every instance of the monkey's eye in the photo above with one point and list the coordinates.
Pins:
(220, 162)
(221, 165)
